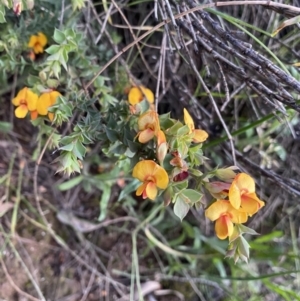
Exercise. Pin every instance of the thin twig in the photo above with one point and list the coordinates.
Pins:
(194, 9)
(12, 283)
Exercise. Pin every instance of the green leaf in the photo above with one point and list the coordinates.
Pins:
(117, 148)
(191, 196)
(2, 14)
(70, 34)
(286, 23)
(56, 69)
(70, 184)
(183, 149)
(183, 131)
(244, 229)
(174, 129)
(59, 37)
(195, 172)
(66, 140)
(110, 99)
(112, 135)
(180, 186)
(269, 237)
(5, 127)
(181, 208)
(79, 150)
(53, 49)
(243, 248)
(128, 189)
(63, 55)
(77, 4)
(143, 106)
(133, 146)
(106, 191)
(68, 147)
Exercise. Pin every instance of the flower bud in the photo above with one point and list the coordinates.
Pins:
(18, 6)
(167, 196)
(181, 176)
(226, 174)
(161, 152)
(43, 76)
(218, 190)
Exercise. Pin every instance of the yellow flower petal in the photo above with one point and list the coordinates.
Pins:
(31, 99)
(237, 216)
(146, 135)
(242, 184)
(51, 116)
(21, 96)
(148, 94)
(161, 176)
(16, 101)
(42, 39)
(38, 48)
(223, 227)
(43, 103)
(251, 203)
(32, 41)
(141, 189)
(234, 195)
(143, 169)
(149, 120)
(135, 96)
(199, 136)
(188, 120)
(245, 182)
(21, 111)
(217, 209)
(53, 97)
(161, 137)
(151, 191)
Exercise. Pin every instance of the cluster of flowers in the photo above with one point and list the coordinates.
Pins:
(151, 174)
(236, 199)
(28, 101)
(242, 202)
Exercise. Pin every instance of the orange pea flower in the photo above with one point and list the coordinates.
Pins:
(152, 175)
(225, 216)
(242, 194)
(45, 101)
(25, 101)
(137, 94)
(149, 127)
(38, 42)
(198, 135)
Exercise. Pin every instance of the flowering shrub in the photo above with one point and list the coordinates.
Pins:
(162, 153)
